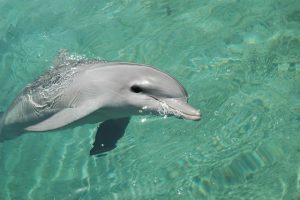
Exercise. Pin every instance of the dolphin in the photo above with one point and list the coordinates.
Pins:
(80, 91)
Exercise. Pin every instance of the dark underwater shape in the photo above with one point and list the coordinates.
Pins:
(108, 134)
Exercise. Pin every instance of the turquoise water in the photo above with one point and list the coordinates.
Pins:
(239, 61)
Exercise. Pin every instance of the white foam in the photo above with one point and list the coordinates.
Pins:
(166, 110)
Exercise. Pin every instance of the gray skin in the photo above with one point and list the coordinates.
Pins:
(74, 93)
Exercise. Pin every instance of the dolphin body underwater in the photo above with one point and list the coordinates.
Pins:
(76, 92)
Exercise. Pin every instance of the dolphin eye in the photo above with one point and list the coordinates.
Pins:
(136, 89)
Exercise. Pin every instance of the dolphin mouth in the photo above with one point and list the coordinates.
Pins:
(180, 108)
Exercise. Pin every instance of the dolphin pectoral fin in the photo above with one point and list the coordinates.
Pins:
(108, 134)
(63, 118)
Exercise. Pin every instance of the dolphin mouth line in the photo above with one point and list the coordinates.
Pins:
(178, 108)
(188, 116)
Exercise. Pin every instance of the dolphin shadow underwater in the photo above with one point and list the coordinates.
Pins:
(76, 92)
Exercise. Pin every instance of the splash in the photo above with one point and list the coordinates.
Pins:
(165, 110)
(50, 85)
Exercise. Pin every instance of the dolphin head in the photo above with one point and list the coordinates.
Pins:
(146, 90)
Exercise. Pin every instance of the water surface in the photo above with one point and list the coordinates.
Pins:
(239, 61)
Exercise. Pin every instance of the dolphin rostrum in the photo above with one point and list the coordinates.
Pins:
(76, 92)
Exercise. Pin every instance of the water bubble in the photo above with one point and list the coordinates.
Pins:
(235, 140)
(180, 191)
(155, 180)
(133, 183)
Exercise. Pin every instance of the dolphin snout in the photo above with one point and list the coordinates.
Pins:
(180, 108)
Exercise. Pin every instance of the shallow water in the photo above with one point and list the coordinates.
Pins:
(239, 61)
